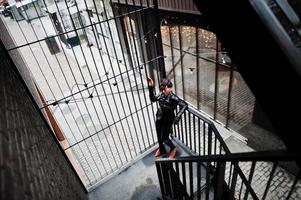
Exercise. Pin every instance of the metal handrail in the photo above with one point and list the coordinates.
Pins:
(280, 155)
(214, 164)
(217, 180)
(210, 124)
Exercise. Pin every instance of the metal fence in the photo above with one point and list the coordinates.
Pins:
(93, 86)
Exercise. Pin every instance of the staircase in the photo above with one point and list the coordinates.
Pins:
(265, 46)
(216, 173)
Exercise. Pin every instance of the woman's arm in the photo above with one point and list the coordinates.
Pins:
(152, 95)
(183, 105)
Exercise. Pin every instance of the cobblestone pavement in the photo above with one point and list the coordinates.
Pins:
(280, 185)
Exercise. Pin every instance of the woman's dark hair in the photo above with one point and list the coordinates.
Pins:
(165, 82)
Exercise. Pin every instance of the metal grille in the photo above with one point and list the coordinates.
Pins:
(204, 75)
(90, 83)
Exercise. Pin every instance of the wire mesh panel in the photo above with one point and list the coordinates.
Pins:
(94, 88)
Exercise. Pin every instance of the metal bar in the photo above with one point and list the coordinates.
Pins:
(194, 134)
(189, 127)
(220, 139)
(172, 59)
(184, 175)
(294, 185)
(176, 187)
(160, 177)
(289, 13)
(158, 40)
(177, 169)
(154, 41)
(199, 136)
(176, 134)
(215, 141)
(219, 185)
(199, 180)
(177, 126)
(181, 60)
(199, 115)
(182, 130)
(230, 173)
(250, 178)
(234, 180)
(190, 179)
(240, 190)
(209, 140)
(231, 78)
(270, 180)
(185, 124)
(216, 86)
(204, 138)
(170, 180)
(274, 155)
(197, 68)
(207, 179)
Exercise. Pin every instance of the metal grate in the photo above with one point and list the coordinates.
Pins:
(87, 60)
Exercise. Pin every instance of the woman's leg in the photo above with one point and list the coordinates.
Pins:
(166, 131)
(159, 129)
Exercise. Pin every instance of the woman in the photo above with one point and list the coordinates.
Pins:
(165, 116)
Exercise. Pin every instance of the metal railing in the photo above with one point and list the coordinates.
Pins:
(216, 173)
(196, 178)
(199, 134)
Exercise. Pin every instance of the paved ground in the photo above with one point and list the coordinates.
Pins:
(282, 179)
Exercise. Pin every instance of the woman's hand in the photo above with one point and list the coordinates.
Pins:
(150, 82)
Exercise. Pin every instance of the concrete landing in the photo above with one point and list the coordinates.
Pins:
(138, 182)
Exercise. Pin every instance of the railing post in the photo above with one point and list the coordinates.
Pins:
(234, 180)
(219, 180)
(160, 177)
(209, 140)
(208, 170)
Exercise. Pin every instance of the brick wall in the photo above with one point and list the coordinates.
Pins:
(31, 162)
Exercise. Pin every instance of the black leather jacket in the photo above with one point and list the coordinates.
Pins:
(168, 104)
